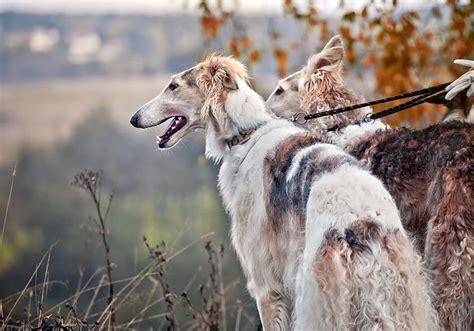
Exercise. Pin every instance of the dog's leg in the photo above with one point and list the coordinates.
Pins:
(449, 249)
(274, 310)
(323, 292)
(449, 258)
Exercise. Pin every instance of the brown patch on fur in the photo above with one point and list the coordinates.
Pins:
(274, 309)
(288, 148)
(334, 244)
(275, 169)
(333, 271)
(365, 289)
(286, 198)
(285, 201)
(367, 231)
(356, 239)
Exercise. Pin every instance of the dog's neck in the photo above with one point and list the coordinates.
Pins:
(239, 139)
(246, 111)
(317, 98)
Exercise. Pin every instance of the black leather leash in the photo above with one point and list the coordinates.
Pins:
(424, 95)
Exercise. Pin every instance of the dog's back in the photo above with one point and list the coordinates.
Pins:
(358, 268)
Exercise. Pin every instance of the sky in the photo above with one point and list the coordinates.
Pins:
(171, 6)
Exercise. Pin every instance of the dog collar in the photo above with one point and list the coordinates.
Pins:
(240, 139)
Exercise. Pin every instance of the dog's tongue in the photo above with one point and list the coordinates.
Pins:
(173, 127)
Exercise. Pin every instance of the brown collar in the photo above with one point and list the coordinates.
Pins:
(240, 139)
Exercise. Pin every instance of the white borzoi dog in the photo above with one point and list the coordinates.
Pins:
(429, 172)
(319, 238)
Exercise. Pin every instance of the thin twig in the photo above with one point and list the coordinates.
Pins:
(75, 297)
(91, 181)
(148, 306)
(221, 288)
(107, 311)
(94, 296)
(238, 318)
(145, 319)
(151, 295)
(8, 204)
(29, 281)
(44, 290)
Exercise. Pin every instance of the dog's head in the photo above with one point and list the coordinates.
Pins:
(205, 96)
(285, 99)
(317, 87)
(180, 100)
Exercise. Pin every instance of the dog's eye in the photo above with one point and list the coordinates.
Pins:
(279, 91)
(173, 86)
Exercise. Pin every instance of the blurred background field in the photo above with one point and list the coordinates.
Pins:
(71, 75)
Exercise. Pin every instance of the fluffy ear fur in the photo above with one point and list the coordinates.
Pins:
(229, 82)
(329, 59)
(321, 87)
(217, 79)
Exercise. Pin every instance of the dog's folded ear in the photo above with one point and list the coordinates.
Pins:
(334, 42)
(330, 58)
(220, 74)
(229, 82)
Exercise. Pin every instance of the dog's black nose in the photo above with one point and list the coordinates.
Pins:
(134, 121)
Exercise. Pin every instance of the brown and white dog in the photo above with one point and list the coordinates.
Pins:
(429, 173)
(319, 238)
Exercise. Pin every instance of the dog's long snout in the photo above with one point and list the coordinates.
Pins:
(134, 120)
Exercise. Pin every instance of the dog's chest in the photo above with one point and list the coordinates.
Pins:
(242, 189)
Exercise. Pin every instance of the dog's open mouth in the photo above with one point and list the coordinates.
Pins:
(176, 124)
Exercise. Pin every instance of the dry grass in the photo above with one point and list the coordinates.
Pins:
(146, 292)
(206, 312)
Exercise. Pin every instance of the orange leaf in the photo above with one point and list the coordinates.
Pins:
(247, 41)
(210, 25)
(234, 46)
(254, 57)
(282, 59)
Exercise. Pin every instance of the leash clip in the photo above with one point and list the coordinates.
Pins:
(299, 118)
(367, 118)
